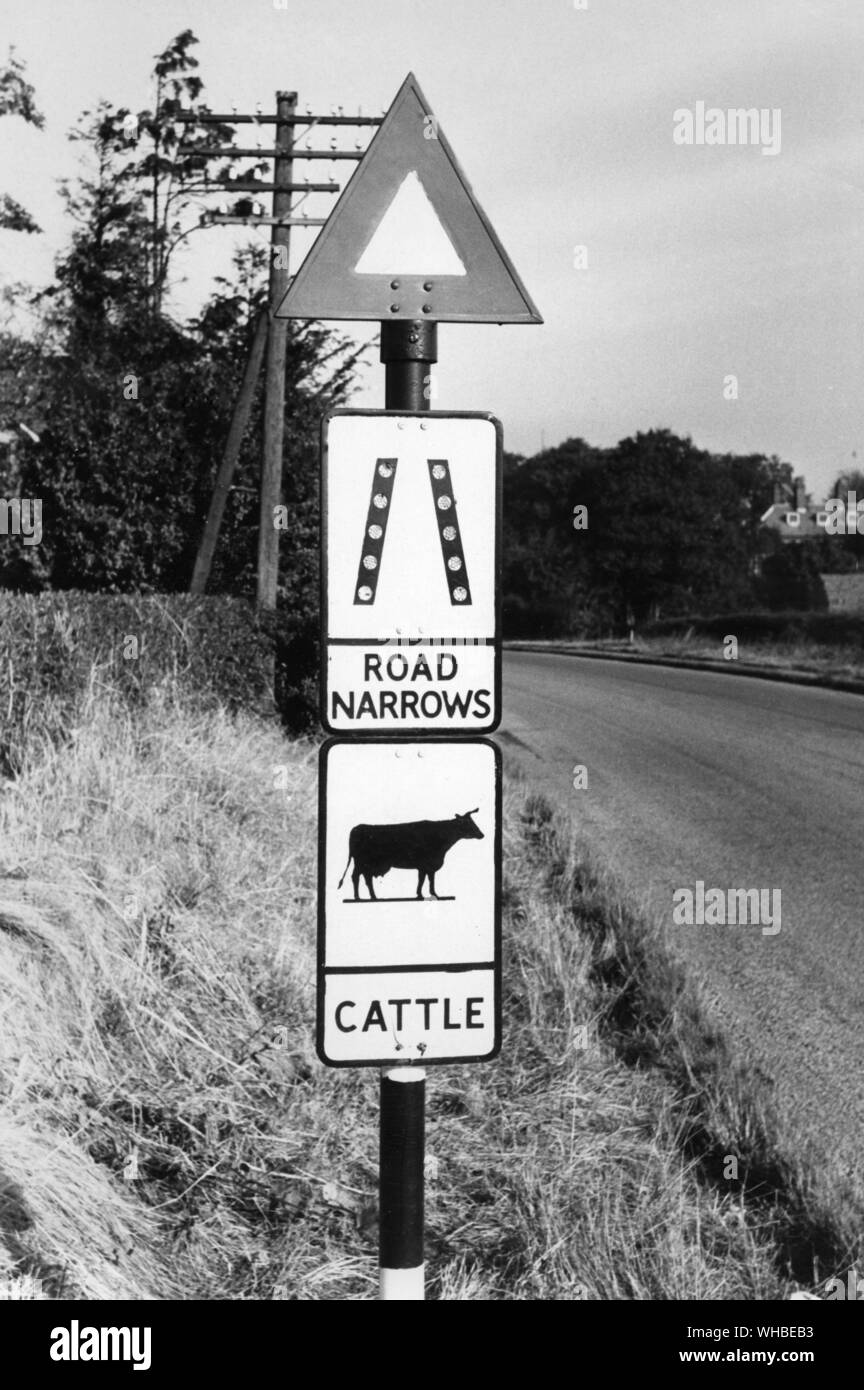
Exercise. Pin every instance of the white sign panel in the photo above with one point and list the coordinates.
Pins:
(409, 902)
(411, 536)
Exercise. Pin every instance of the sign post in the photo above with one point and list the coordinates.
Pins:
(409, 961)
(407, 353)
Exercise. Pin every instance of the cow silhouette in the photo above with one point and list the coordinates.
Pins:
(415, 844)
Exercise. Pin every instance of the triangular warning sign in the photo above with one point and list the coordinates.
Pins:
(407, 238)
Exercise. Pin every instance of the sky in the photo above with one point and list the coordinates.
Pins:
(662, 269)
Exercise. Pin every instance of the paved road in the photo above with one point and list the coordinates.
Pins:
(743, 784)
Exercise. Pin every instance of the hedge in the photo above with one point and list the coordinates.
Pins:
(54, 645)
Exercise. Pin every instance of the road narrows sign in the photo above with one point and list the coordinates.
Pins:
(409, 902)
(411, 625)
(408, 238)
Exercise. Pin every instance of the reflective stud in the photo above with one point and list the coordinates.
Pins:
(375, 529)
(451, 543)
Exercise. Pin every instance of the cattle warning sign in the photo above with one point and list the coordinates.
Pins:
(411, 544)
(409, 902)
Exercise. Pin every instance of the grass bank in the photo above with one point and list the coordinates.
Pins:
(825, 645)
(836, 661)
(167, 1132)
(657, 1020)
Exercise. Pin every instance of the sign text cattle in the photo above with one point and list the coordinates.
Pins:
(408, 898)
(411, 621)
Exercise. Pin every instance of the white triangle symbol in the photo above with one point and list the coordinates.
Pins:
(409, 239)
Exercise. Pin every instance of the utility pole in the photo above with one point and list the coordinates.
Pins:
(249, 213)
(277, 338)
(221, 487)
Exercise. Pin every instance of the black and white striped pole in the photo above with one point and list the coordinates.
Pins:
(400, 1191)
(408, 349)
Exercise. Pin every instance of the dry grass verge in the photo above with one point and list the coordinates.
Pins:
(655, 1017)
(797, 656)
(166, 1129)
(835, 660)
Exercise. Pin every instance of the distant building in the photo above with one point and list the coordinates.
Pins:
(795, 518)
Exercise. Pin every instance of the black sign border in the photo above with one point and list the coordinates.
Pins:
(389, 1062)
(323, 638)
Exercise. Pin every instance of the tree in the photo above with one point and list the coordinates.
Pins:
(790, 579)
(547, 582)
(136, 405)
(17, 98)
(670, 529)
(669, 536)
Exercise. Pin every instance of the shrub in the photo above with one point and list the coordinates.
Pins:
(54, 646)
(791, 579)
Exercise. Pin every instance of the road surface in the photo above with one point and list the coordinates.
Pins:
(739, 783)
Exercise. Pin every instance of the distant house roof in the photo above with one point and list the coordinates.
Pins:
(795, 523)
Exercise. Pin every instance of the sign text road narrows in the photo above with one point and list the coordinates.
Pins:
(411, 612)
